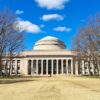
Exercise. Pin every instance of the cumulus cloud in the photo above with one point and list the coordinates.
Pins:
(52, 17)
(19, 12)
(26, 26)
(52, 4)
(62, 29)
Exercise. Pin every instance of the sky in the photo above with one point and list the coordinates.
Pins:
(58, 18)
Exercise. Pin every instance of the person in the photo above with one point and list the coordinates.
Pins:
(50, 74)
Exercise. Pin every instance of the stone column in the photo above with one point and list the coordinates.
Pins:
(31, 67)
(67, 67)
(62, 67)
(76, 67)
(41, 67)
(36, 67)
(83, 65)
(72, 67)
(87, 68)
(51, 67)
(10, 67)
(46, 67)
(16, 67)
(57, 66)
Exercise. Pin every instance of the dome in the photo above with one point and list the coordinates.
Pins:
(49, 43)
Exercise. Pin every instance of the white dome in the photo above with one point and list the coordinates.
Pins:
(49, 43)
(49, 38)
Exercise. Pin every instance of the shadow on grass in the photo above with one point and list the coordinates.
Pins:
(10, 81)
(92, 77)
(18, 79)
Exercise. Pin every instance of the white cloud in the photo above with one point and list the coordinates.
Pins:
(26, 26)
(52, 4)
(62, 29)
(19, 12)
(52, 17)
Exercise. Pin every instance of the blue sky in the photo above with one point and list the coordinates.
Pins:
(59, 18)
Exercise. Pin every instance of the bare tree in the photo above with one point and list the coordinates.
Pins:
(87, 43)
(11, 41)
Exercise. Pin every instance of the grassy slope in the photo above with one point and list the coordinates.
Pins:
(55, 88)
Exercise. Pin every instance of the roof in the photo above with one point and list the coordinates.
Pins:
(49, 43)
(48, 38)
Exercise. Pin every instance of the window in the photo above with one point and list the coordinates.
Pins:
(18, 66)
(13, 66)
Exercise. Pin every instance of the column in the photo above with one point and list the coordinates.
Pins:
(41, 67)
(98, 64)
(51, 67)
(31, 67)
(62, 67)
(10, 67)
(72, 67)
(37, 67)
(16, 67)
(67, 67)
(4, 65)
(87, 68)
(46, 67)
(83, 69)
(76, 67)
(57, 66)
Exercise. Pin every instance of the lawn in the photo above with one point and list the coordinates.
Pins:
(54, 88)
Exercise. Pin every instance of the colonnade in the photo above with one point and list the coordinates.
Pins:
(50, 66)
(11, 67)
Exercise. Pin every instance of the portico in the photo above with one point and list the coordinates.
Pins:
(49, 56)
(49, 66)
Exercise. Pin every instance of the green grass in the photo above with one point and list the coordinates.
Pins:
(10, 77)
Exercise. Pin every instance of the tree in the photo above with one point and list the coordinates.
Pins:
(11, 41)
(87, 43)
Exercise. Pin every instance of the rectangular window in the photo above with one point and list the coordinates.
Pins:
(13, 66)
(18, 66)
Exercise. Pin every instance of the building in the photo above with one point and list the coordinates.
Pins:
(48, 57)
